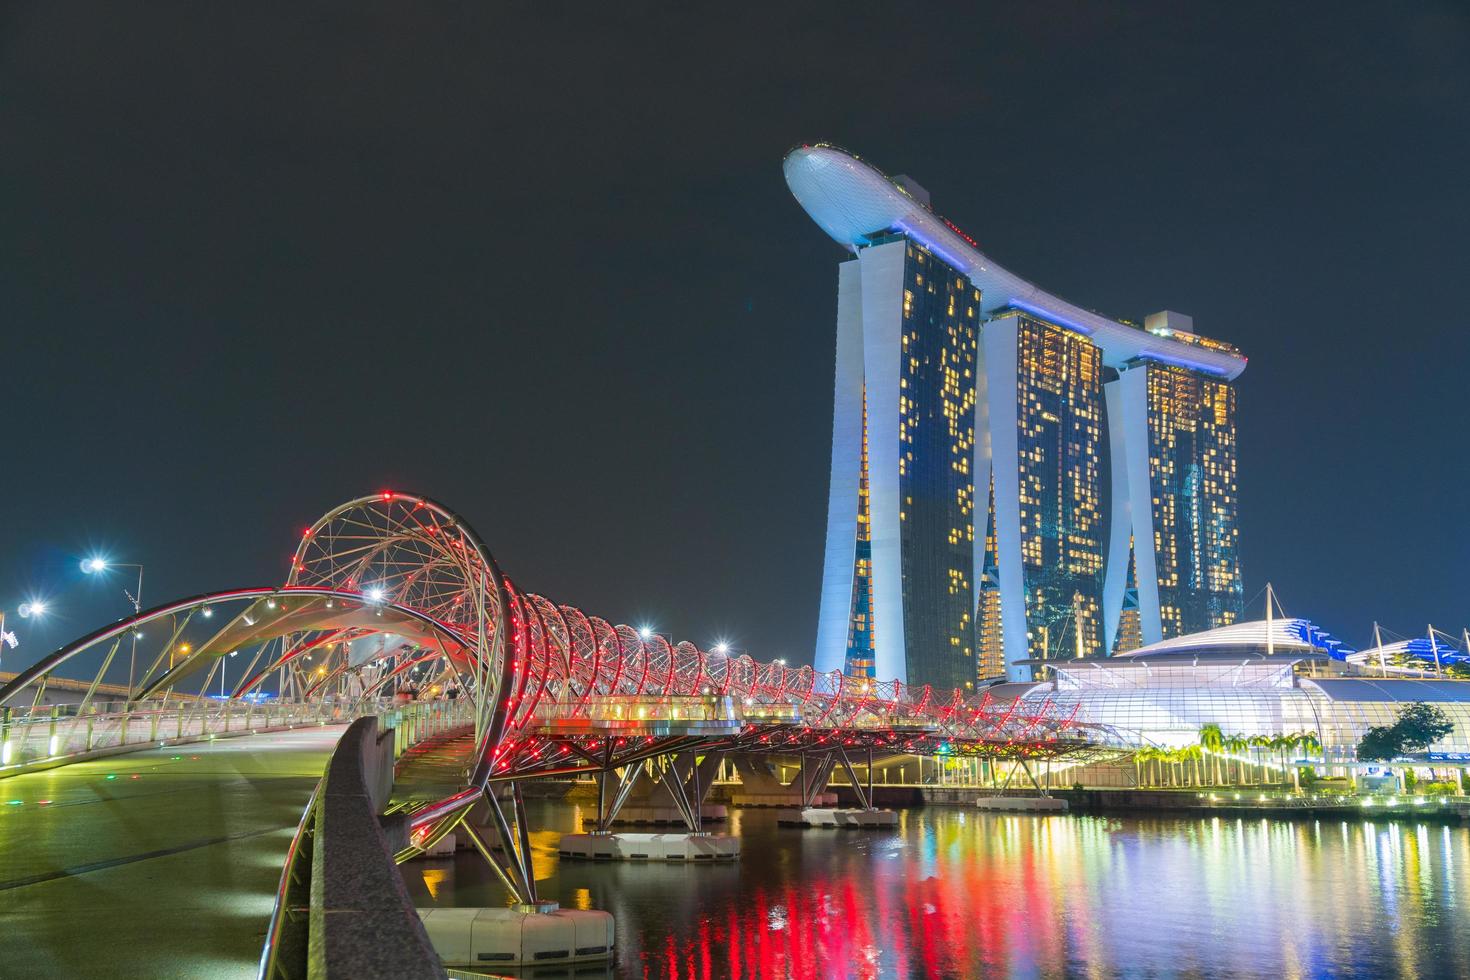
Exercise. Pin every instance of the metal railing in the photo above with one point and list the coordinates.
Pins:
(332, 868)
(51, 735)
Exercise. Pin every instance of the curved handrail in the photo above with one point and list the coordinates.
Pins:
(270, 954)
(50, 662)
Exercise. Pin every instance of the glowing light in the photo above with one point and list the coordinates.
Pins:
(722, 648)
(645, 632)
(207, 612)
(36, 607)
(374, 594)
(94, 565)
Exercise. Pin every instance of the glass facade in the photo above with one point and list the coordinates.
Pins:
(936, 432)
(861, 639)
(1059, 443)
(1167, 701)
(1192, 472)
(990, 662)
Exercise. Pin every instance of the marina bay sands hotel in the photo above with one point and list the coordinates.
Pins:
(1015, 479)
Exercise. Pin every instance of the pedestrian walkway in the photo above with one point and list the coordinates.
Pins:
(162, 863)
(436, 767)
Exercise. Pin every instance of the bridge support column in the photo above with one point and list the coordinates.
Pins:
(813, 783)
(676, 794)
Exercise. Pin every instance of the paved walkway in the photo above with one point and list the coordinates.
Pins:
(161, 863)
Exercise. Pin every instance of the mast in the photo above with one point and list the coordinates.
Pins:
(1270, 626)
(1378, 642)
(1438, 671)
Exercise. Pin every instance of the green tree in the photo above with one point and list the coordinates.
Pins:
(1258, 742)
(1419, 725)
(1309, 744)
(1379, 744)
(1212, 740)
(1238, 745)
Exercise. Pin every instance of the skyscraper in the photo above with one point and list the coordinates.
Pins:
(1175, 495)
(1044, 402)
(969, 494)
(897, 591)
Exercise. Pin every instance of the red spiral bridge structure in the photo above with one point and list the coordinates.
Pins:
(393, 596)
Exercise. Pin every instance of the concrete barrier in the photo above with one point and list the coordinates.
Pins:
(359, 922)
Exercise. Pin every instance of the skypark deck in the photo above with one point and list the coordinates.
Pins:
(856, 204)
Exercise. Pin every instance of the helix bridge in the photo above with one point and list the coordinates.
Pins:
(393, 598)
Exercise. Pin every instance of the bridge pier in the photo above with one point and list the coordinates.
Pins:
(675, 795)
(812, 783)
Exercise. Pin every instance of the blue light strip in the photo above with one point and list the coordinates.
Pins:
(1046, 314)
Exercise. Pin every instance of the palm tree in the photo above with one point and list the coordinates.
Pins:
(1256, 743)
(1237, 745)
(1282, 744)
(1212, 740)
(1310, 744)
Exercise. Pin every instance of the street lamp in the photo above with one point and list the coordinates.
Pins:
(32, 607)
(645, 632)
(96, 565)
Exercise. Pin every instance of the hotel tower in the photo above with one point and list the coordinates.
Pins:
(1014, 478)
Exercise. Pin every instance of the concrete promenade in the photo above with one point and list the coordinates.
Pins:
(161, 863)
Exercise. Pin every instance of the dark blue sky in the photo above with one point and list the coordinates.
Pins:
(256, 259)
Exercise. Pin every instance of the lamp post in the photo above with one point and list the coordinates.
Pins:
(95, 566)
(33, 607)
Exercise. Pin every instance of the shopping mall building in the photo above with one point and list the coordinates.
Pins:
(1278, 677)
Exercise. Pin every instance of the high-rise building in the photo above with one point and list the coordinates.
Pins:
(897, 593)
(1175, 539)
(1044, 413)
(976, 419)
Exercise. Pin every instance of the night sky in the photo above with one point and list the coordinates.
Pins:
(543, 267)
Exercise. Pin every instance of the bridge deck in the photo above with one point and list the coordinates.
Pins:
(161, 863)
(435, 767)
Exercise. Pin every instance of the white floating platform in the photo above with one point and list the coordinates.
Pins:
(505, 937)
(1025, 804)
(815, 816)
(742, 798)
(660, 815)
(649, 847)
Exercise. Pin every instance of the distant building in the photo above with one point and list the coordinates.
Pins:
(1014, 478)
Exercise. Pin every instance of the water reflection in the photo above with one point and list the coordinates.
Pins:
(955, 893)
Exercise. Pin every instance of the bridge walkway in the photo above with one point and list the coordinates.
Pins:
(435, 767)
(160, 863)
